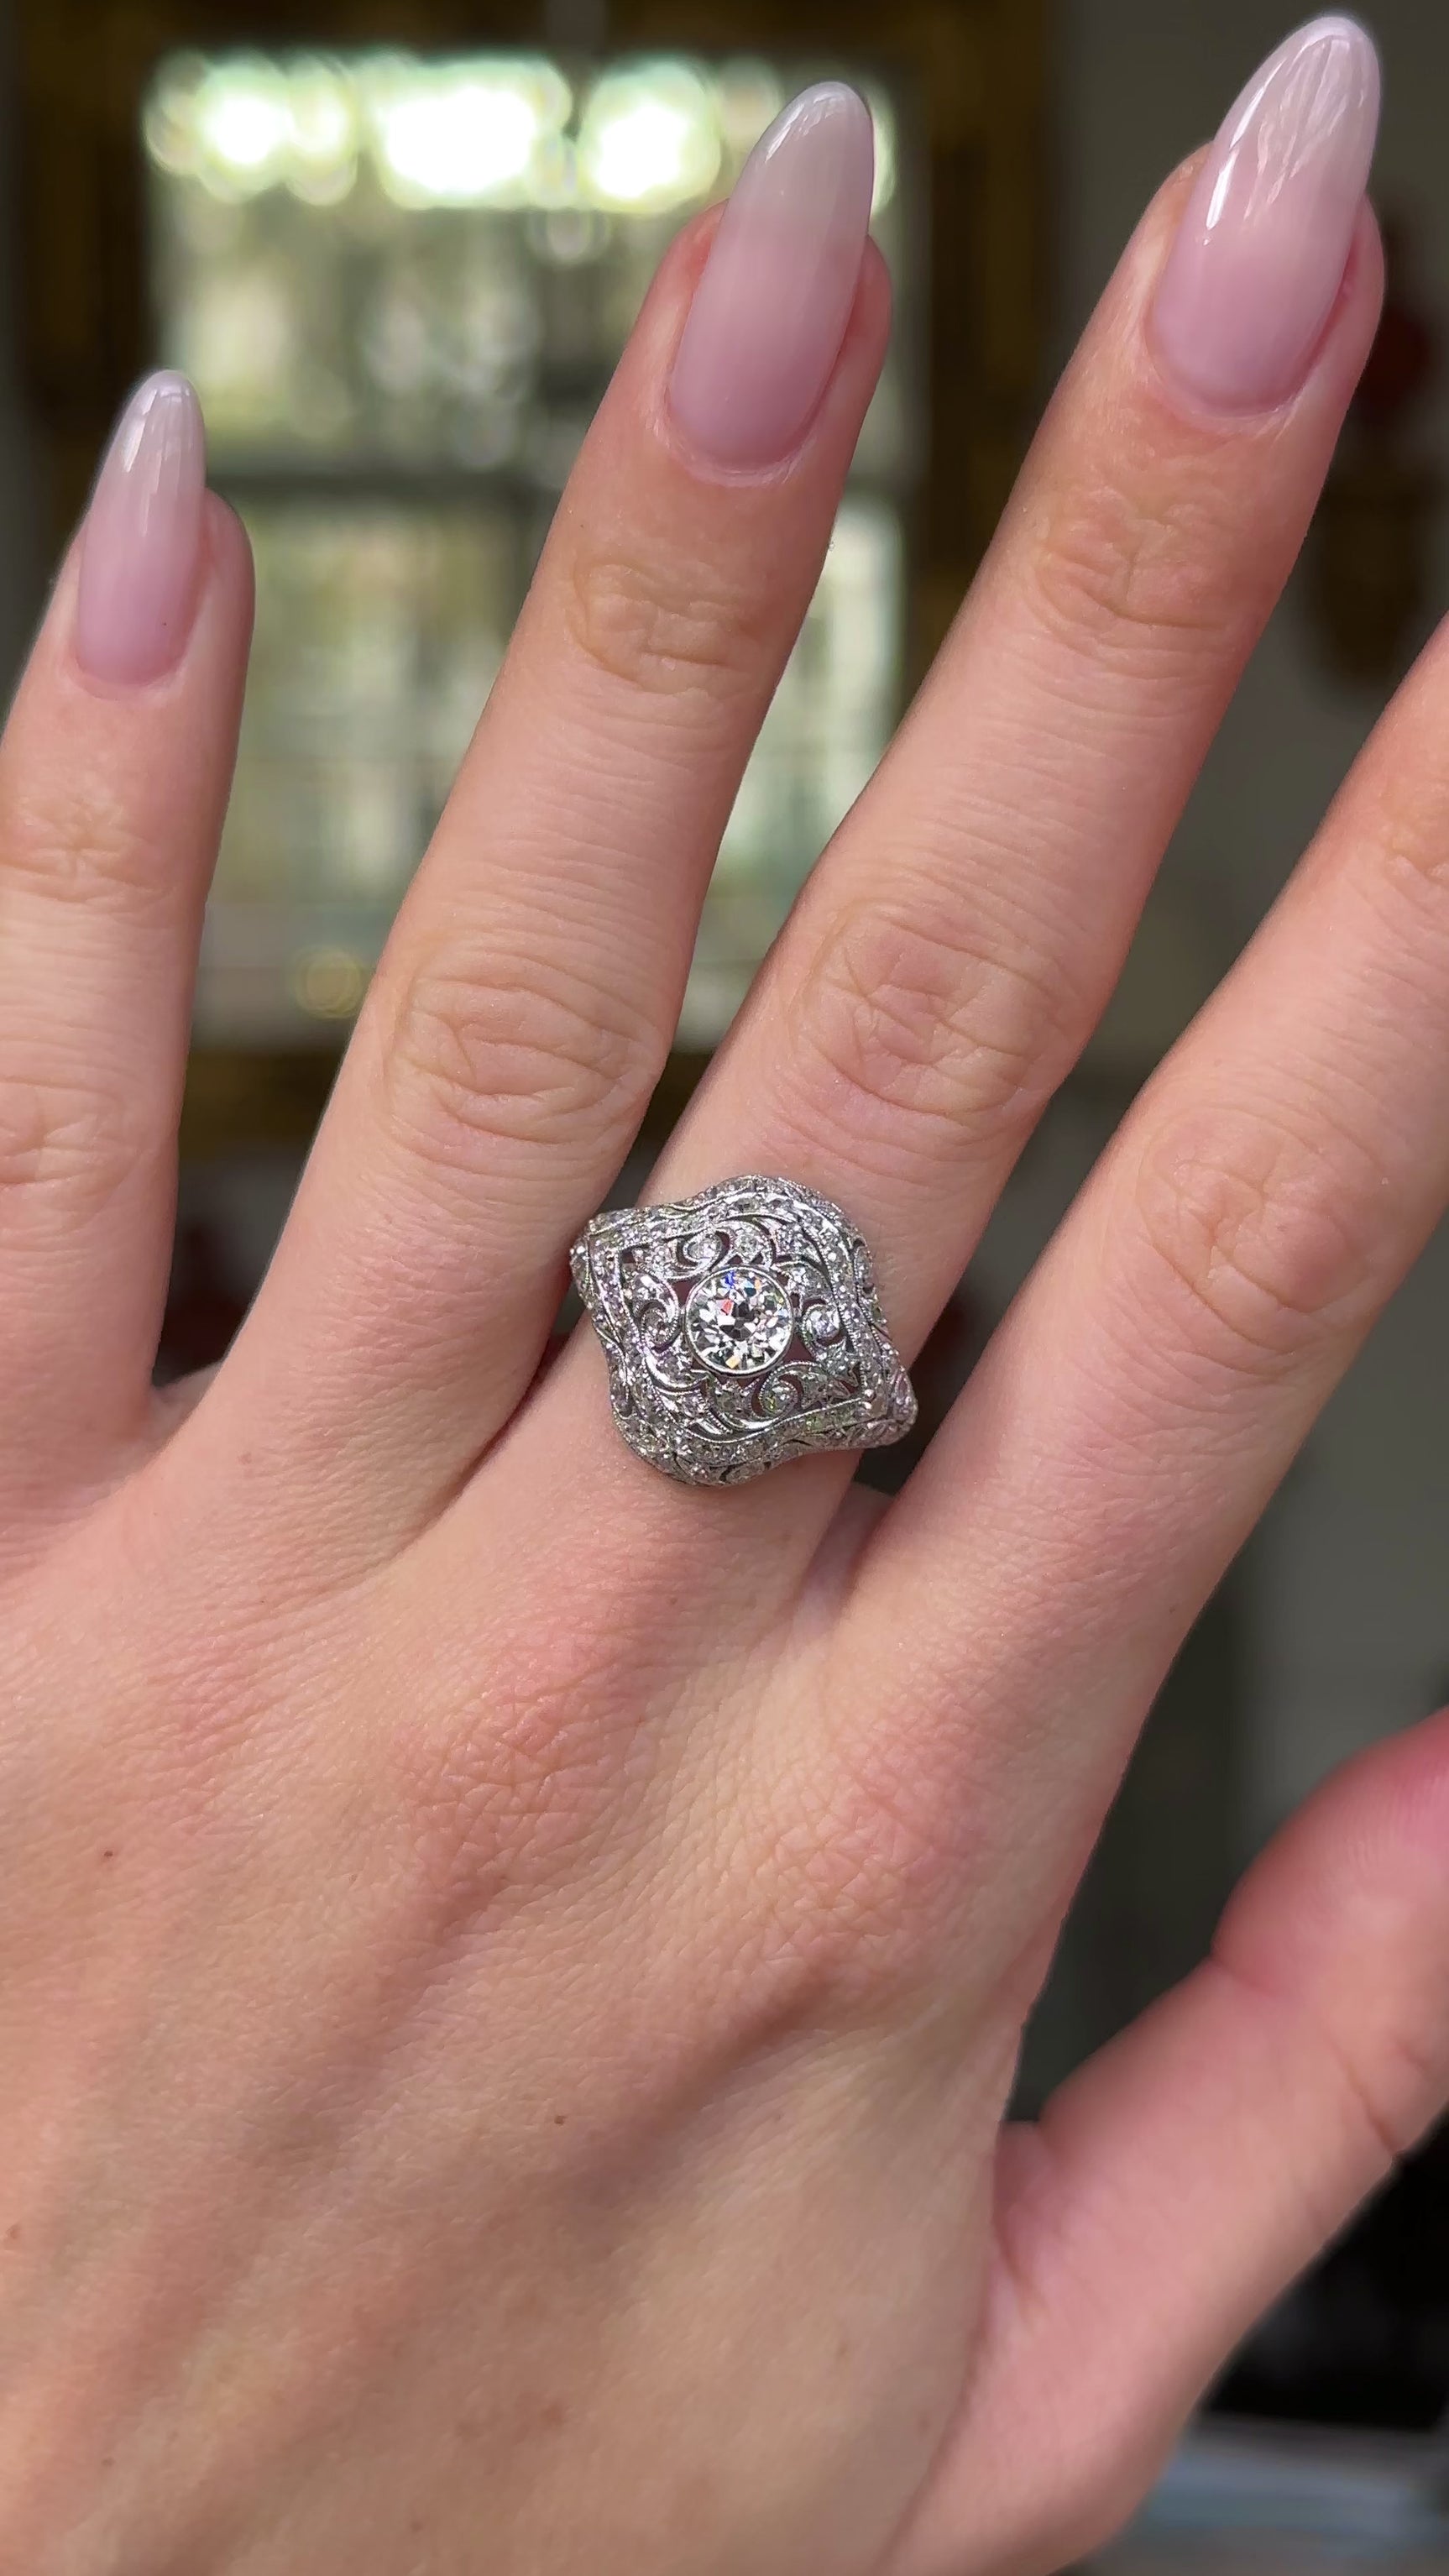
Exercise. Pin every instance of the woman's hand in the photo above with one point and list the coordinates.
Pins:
(512, 1969)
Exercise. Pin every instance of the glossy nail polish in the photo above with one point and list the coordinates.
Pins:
(141, 545)
(771, 307)
(1260, 255)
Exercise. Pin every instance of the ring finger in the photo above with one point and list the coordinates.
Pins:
(526, 1003)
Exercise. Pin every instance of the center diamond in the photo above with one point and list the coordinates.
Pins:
(739, 1321)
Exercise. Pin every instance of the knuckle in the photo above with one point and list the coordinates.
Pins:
(1260, 1231)
(519, 1792)
(84, 848)
(806, 1934)
(868, 1847)
(1413, 855)
(1386, 2095)
(1148, 572)
(548, 1775)
(65, 1141)
(1395, 2100)
(907, 1025)
(666, 626)
(481, 1054)
(1389, 2092)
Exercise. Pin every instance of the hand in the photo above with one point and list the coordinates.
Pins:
(512, 1968)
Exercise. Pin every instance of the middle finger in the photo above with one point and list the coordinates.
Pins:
(953, 952)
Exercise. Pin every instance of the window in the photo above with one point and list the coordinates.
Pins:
(399, 285)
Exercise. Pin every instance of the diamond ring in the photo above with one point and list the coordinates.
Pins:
(741, 1328)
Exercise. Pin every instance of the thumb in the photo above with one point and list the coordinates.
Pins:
(1177, 2184)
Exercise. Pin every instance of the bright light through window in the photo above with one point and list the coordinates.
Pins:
(246, 130)
(463, 133)
(458, 146)
(650, 138)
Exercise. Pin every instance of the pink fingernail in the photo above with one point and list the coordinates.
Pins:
(141, 547)
(1260, 256)
(770, 310)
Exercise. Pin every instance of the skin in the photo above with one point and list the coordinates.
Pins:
(511, 1971)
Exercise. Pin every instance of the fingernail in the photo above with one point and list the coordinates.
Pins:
(770, 310)
(141, 546)
(1260, 256)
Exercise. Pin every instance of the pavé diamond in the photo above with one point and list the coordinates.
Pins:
(739, 1321)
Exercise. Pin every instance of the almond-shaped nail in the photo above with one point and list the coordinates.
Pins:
(1261, 252)
(141, 545)
(771, 307)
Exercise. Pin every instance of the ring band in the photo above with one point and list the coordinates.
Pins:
(742, 1328)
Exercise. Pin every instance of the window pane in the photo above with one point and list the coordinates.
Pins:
(380, 626)
(400, 285)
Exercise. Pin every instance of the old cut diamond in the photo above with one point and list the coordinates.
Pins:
(739, 1321)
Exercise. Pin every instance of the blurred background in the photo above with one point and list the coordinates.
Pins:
(398, 244)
